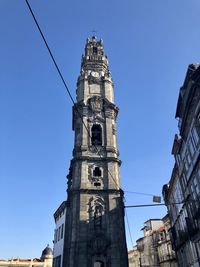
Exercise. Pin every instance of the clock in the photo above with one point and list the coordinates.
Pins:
(95, 74)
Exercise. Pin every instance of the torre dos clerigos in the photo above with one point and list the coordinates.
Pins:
(94, 231)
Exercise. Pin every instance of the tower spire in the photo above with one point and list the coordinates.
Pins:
(94, 225)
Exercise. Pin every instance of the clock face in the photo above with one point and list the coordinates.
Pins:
(95, 74)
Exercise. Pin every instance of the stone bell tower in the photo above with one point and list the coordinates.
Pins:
(94, 226)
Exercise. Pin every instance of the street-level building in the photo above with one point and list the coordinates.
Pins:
(94, 233)
(166, 255)
(154, 248)
(44, 261)
(147, 245)
(182, 193)
(59, 217)
(134, 257)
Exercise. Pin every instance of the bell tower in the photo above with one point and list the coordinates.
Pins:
(94, 224)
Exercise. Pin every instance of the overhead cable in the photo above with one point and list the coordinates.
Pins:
(65, 84)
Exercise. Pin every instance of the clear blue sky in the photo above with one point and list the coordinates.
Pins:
(149, 44)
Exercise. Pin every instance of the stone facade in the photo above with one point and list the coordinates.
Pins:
(166, 255)
(134, 257)
(94, 227)
(182, 193)
(154, 248)
(44, 261)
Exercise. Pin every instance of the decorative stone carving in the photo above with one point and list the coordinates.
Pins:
(96, 118)
(96, 104)
(94, 80)
(109, 113)
(114, 130)
(99, 150)
(96, 208)
(99, 244)
(91, 177)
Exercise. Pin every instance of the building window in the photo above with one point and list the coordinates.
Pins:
(57, 261)
(55, 236)
(195, 189)
(98, 264)
(97, 172)
(191, 147)
(96, 135)
(178, 159)
(58, 233)
(183, 181)
(62, 230)
(195, 136)
(188, 158)
(186, 165)
(94, 50)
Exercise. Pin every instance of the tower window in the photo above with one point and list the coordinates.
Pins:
(94, 50)
(96, 135)
(97, 172)
(98, 264)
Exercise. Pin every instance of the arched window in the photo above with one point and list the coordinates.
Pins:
(98, 216)
(96, 135)
(98, 264)
(94, 50)
(97, 172)
(196, 130)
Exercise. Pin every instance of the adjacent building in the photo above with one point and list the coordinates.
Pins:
(44, 261)
(166, 255)
(154, 248)
(94, 231)
(134, 257)
(182, 193)
(59, 217)
(147, 245)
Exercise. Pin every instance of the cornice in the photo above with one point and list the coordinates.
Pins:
(96, 191)
(92, 159)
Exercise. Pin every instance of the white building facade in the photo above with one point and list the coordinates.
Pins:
(59, 217)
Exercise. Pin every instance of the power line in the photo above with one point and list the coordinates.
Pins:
(63, 80)
(129, 230)
(152, 205)
(146, 205)
(49, 50)
(69, 93)
(139, 193)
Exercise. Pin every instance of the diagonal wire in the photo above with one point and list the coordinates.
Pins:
(63, 80)
(129, 230)
(139, 193)
(69, 93)
(49, 50)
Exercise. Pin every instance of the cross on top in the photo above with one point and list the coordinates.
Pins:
(94, 32)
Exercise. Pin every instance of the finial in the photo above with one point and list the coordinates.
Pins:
(94, 38)
(94, 32)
